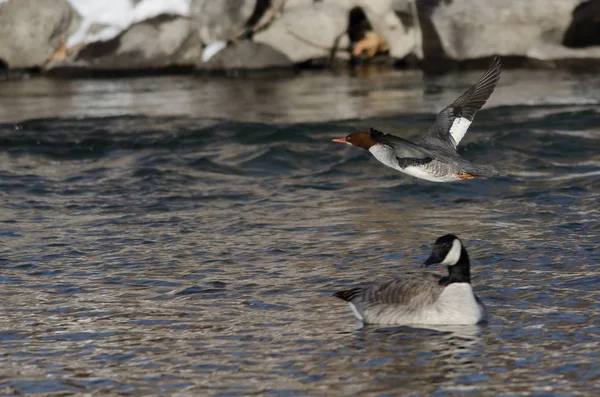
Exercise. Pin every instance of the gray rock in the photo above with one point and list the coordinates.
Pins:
(375, 6)
(584, 30)
(222, 19)
(471, 29)
(402, 40)
(159, 42)
(403, 5)
(307, 33)
(32, 30)
(553, 54)
(246, 55)
(311, 31)
(264, 13)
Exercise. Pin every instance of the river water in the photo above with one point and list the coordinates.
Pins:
(182, 236)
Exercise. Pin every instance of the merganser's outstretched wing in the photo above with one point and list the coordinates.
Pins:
(453, 122)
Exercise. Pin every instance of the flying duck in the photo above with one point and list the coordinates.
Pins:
(434, 157)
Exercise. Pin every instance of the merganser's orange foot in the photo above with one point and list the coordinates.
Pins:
(466, 176)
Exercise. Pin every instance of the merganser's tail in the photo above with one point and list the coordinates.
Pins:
(481, 170)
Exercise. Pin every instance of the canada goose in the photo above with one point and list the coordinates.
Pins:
(423, 299)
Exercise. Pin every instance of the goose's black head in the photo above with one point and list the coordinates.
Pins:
(448, 250)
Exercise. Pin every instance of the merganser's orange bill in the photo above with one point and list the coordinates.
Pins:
(339, 140)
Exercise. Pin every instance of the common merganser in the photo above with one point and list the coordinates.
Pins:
(423, 299)
(434, 158)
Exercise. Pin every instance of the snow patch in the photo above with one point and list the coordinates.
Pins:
(212, 49)
(115, 16)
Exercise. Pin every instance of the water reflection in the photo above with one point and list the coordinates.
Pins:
(321, 96)
(405, 359)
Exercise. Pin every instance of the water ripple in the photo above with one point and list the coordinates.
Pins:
(195, 256)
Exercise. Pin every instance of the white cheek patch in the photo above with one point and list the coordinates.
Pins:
(459, 129)
(453, 255)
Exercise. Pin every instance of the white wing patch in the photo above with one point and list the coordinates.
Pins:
(458, 129)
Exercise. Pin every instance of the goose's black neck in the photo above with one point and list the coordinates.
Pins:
(459, 273)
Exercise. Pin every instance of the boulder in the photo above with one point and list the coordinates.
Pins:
(584, 29)
(376, 6)
(307, 32)
(472, 29)
(402, 40)
(264, 13)
(222, 19)
(403, 6)
(245, 55)
(160, 42)
(31, 31)
(556, 54)
(102, 20)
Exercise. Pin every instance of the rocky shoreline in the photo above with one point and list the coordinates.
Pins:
(64, 38)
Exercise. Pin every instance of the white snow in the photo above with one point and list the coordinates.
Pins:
(212, 49)
(118, 15)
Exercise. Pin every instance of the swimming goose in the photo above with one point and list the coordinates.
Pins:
(434, 157)
(423, 299)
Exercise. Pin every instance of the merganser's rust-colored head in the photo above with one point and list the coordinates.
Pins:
(358, 139)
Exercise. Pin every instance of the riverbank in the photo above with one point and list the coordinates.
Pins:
(78, 38)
